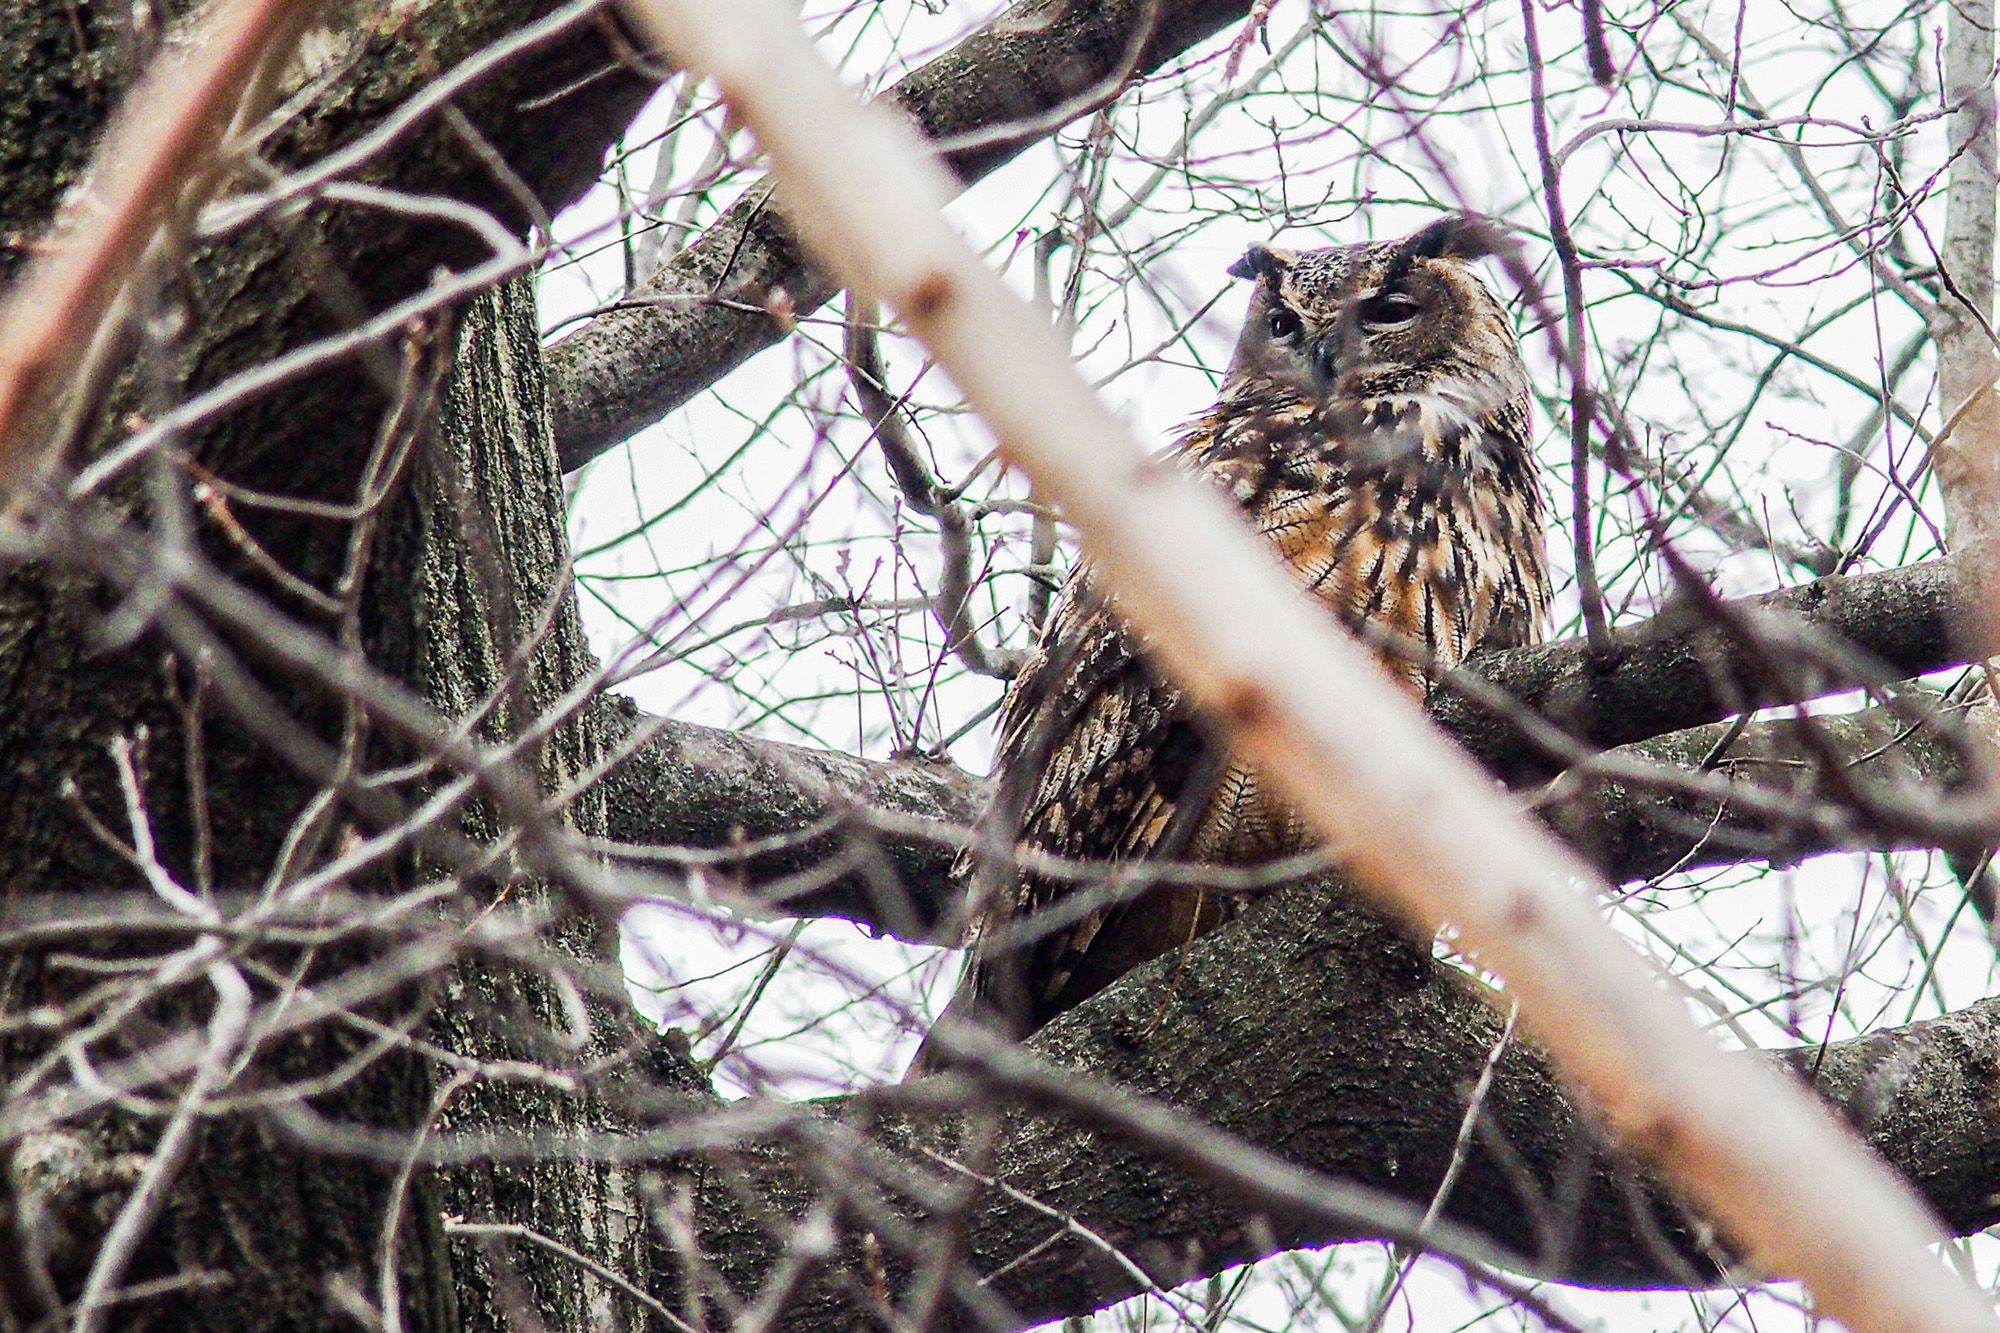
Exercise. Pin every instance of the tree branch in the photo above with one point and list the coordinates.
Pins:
(1680, 669)
(793, 813)
(1767, 797)
(796, 812)
(712, 307)
(1379, 1109)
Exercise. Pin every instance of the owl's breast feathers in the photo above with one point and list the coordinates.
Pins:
(1416, 518)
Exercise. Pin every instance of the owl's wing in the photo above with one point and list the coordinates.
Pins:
(1512, 520)
(1102, 760)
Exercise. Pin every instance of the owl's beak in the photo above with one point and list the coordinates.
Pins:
(1336, 353)
(1326, 359)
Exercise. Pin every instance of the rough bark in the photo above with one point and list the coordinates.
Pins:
(245, 300)
(1361, 1074)
(63, 73)
(490, 561)
(1685, 666)
(689, 787)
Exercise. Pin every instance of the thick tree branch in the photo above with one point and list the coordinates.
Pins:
(304, 273)
(1763, 795)
(266, 289)
(838, 825)
(797, 812)
(1379, 1106)
(735, 289)
(1680, 669)
(813, 833)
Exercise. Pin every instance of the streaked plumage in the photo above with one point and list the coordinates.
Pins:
(1373, 425)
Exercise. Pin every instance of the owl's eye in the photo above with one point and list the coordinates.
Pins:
(1388, 309)
(1285, 323)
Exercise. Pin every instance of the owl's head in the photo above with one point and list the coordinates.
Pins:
(1391, 317)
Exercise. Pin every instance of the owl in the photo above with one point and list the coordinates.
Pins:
(1373, 426)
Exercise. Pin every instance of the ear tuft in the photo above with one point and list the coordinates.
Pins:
(1461, 236)
(1260, 261)
(1454, 236)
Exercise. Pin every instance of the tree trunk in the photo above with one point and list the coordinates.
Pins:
(260, 1229)
(490, 563)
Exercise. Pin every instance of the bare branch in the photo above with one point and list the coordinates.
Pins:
(151, 169)
(952, 605)
(1680, 670)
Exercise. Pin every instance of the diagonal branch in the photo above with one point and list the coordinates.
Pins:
(953, 603)
(155, 165)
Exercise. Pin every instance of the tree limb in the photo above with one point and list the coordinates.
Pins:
(1769, 799)
(685, 786)
(797, 811)
(716, 303)
(1377, 1107)
(1679, 669)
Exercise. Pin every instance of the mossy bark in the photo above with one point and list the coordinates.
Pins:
(495, 634)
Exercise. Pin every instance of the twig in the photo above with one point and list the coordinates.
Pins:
(1461, 1150)
(921, 491)
(1581, 409)
(515, 1231)
(226, 1027)
(389, 1264)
